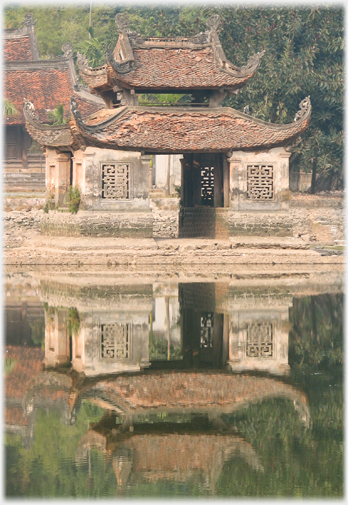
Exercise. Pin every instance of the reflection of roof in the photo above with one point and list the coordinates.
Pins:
(192, 391)
(167, 456)
(15, 416)
(165, 130)
(170, 63)
(28, 361)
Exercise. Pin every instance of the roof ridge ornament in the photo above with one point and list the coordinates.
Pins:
(305, 109)
(29, 110)
(68, 50)
(253, 61)
(82, 60)
(28, 20)
(122, 21)
(75, 111)
(213, 22)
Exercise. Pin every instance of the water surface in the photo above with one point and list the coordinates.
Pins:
(122, 386)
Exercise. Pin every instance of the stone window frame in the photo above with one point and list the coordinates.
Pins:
(108, 201)
(274, 165)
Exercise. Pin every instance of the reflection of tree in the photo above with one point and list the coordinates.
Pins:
(316, 336)
(37, 327)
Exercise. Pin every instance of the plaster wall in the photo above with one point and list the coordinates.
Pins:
(159, 179)
(279, 159)
(88, 168)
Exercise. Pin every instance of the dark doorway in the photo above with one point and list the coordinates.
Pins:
(202, 180)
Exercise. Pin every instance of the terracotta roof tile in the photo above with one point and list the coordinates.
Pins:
(18, 49)
(178, 68)
(185, 130)
(44, 87)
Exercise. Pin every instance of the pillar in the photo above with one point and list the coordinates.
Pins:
(62, 178)
(235, 180)
(226, 181)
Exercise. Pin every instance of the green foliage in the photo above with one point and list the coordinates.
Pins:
(94, 49)
(74, 199)
(73, 321)
(9, 109)
(316, 333)
(56, 116)
(162, 100)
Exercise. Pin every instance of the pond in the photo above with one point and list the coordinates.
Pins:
(133, 384)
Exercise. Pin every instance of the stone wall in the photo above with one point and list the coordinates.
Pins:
(102, 224)
(165, 213)
(316, 218)
(223, 223)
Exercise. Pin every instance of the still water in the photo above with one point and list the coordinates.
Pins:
(119, 385)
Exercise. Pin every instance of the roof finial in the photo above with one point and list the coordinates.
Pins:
(67, 50)
(122, 21)
(213, 22)
(28, 20)
(29, 111)
(305, 108)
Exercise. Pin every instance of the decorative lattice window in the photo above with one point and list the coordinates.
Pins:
(207, 186)
(260, 182)
(115, 181)
(260, 339)
(114, 341)
(207, 330)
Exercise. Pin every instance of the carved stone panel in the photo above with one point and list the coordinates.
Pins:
(116, 181)
(260, 182)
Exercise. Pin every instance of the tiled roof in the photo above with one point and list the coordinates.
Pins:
(18, 49)
(164, 64)
(165, 130)
(179, 68)
(184, 130)
(45, 86)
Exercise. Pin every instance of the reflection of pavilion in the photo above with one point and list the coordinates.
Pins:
(164, 420)
(112, 330)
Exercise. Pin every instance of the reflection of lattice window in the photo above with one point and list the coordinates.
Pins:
(260, 182)
(260, 339)
(114, 341)
(207, 330)
(207, 185)
(115, 181)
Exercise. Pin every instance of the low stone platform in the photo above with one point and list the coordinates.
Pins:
(109, 251)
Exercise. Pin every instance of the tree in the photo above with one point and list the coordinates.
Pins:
(57, 115)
